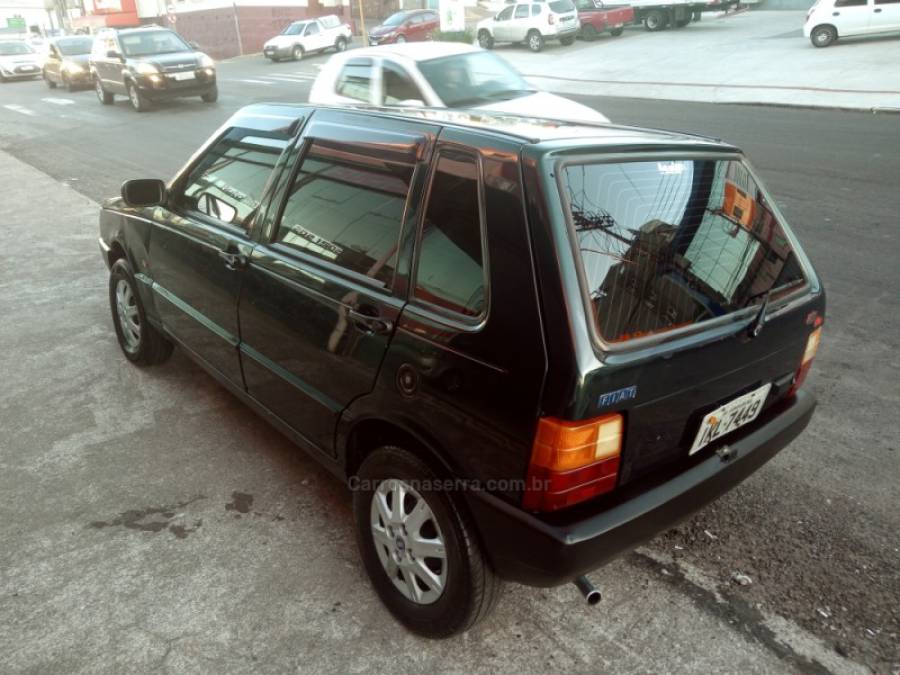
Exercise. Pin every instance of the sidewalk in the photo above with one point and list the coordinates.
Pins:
(749, 57)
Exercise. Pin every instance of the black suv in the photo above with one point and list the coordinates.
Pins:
(150, 64)
(527, 345)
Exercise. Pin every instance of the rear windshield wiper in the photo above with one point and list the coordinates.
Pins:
(756, 326)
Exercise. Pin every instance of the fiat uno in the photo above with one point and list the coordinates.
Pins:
(528, 345)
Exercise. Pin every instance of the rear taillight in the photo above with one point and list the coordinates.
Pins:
(551, 19)
(812, 346)
(572, 461)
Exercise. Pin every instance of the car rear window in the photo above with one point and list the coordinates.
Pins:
(561, 6)
(666, 244)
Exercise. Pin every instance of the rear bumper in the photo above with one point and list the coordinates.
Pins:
(532, 551)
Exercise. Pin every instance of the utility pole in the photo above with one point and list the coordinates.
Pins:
(237, 28)
(362, 23)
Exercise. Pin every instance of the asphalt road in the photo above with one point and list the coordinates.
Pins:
(816, 530)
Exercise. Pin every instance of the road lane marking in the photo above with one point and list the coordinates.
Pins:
(19, 109)
(59, 101)
(290, 78)
(256, 82)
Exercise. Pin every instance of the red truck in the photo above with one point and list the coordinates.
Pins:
(597, 17)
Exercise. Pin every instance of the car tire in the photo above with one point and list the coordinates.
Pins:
(340, 45)
(141, 342)
(105, 97)
(823, 36)
(138, 101)
(566, 41)
(462, 588)
(589, 33)
(210, 96)
(400, 39)
(655, 20)
(616, 32)
(50, 83)
(485, 39)
(297, 53)
(535, 41)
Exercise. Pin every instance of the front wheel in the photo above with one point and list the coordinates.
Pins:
(104, 96)
(485, 40)
(138, 101)
(822, 36)
(535, 41)
(616, 32)
(297, 54)
(419, 548)
(210, 96)
(401, 39)
(141, 343)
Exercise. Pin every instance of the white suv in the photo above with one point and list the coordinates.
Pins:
(829, 19)
(532, 23)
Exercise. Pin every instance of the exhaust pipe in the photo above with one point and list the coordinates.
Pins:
(591, 594)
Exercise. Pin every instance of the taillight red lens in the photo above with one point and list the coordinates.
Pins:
(573, 461)
(812, 346)
(551, 19)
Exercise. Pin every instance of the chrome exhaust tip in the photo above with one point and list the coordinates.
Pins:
(591, 594)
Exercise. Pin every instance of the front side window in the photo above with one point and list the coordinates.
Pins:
(347, 209)
(665, 244)
(294, 28)
(451, 272)
(355, 80)
(153, 42)
(312, 29)
(398, 86)
(228, 182)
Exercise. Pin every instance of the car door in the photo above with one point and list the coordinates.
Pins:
(502, 23)
(885, 16)
(521, 23)
(53, 64)
(318, 304)
(312, 37)
(851, 17)
(202, 240)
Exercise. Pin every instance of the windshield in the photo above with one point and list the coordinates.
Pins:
(74, 46)
(15, 49)
(153, 42)
(476, 78)
(294, 28)
(665, 244)
(395, 19)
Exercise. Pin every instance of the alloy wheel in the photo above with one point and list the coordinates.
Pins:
(129, 318)
(408, 541)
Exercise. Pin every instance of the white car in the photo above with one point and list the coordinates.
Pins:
(439, 75)
(532, 23)
(18, 60)
(309, 36)
(829, 19)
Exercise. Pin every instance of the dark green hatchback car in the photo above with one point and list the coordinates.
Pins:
(527, 345)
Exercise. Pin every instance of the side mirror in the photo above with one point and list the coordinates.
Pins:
(194, 45)
(144, 192)
(113, 54)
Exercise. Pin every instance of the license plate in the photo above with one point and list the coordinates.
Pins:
(184, 76)
(27, 69)
(730, 416)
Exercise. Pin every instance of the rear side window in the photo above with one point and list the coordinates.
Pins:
(666, 244)
(561, 6)
(535, 10)
(347, 208)
(355, 80)
(227, 183)
(522, 11)
(451, 272)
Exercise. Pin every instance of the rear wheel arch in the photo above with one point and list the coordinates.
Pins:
(371, 433)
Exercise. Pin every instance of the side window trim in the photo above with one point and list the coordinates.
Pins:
(448, 316)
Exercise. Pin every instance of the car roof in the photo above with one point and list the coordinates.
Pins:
(416, 51)
(518, 128)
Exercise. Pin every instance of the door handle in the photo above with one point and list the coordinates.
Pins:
(368, 323)
(233, 259)
(835, 14)
(878, 10)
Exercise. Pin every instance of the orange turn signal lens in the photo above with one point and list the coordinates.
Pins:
(561, 446)
(812, 346)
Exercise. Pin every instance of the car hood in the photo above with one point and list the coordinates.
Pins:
(550, 106)
(19, 59)
(172, 61)
(80, 59)
(382, 30)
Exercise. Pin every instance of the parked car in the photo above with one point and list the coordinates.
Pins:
(597, 17)
(410, 26)
(150, 64)
(67, 62)
(828, 20)
(532, 23)
(527, 346)
(18, 61)
(309, 37)
(440, 75)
